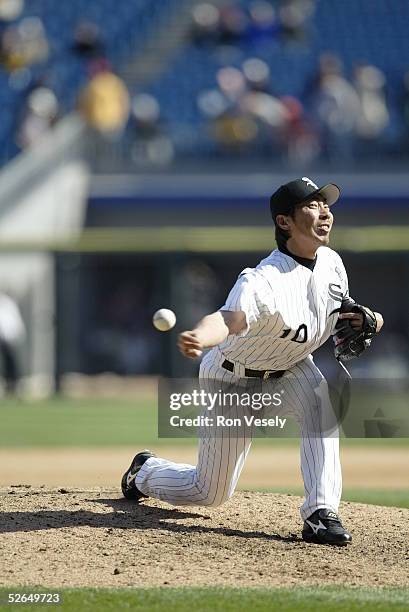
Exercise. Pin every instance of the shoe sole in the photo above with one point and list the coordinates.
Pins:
(312, 539)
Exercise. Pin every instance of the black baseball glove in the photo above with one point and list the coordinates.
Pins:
(350, 342)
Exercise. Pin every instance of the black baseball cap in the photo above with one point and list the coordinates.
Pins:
(295, 192)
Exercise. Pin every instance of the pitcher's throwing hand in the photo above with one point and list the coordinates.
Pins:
(189, 344)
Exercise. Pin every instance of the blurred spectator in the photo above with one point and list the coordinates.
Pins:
(373, 118)
(265, 107)
(145, 114)
(300, 141)
(234, 132)
(40, 114)
(23, 44)
(257, 74)
(104, 101)
(263, 22)
(212, 103)
(335, 109)
(294, 18)
(244, 116)
(10, 9)
(232, 127)
(205, 23)
(328, 64)
(12, 332)
(228, 25)
(150, 143)
(233, 23)
(270, 111)
(88, 42)
(231, 82)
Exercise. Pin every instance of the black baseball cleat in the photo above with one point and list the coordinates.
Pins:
(128, 486)
(324, 527)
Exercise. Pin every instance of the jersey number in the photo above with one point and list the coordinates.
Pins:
(300, 335)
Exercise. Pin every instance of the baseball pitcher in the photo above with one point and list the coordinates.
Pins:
(275, 317)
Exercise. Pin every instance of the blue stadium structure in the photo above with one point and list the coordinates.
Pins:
(369, 32)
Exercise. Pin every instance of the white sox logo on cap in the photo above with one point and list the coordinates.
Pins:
(309, 182)
(287, 196)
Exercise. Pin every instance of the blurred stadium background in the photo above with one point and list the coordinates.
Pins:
(140, 141)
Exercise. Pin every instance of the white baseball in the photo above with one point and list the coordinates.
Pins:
(164, 319)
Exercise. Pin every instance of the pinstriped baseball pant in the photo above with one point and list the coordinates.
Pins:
(221, 455)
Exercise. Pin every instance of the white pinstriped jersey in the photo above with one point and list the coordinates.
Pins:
(290, 309)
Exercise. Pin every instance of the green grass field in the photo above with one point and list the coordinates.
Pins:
(69, 422)
(323, 599)
(104, 422)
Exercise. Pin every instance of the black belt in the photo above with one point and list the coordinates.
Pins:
(266, 374)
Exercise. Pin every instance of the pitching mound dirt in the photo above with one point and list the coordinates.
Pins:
(95, 538)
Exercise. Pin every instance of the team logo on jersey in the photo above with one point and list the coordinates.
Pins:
(309, 182)
(335, 292)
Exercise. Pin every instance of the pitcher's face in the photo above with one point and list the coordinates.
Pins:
(312, 222)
